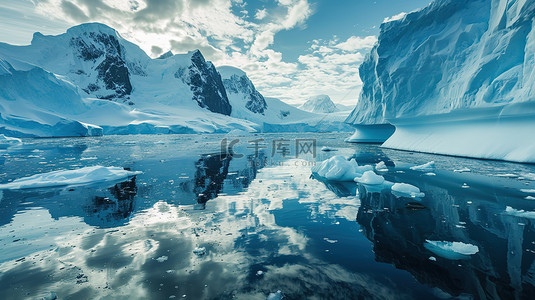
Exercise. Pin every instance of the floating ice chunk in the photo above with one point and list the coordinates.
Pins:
(529, 176)
(6, 141)
(369, 177)
(427, 167)
(508, 175)
(199, 251)
(430, 174)
(527, 198)
(451, 250)
(83, 176)
(381, 166)
(432, 258)
(162, 258)
(327, 149)
(275, 296)
(520, 213)
(529, 191)
(363, 169)
(330, 241)
(259, 273)
(337, 168)
(404, 189)
(462, 170)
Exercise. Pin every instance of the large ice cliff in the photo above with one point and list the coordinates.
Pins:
(457, 77)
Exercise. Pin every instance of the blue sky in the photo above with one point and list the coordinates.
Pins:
(291, 49)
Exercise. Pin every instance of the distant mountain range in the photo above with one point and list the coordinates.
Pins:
(91, 81)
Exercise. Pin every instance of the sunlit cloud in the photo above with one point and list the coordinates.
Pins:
(231, 32)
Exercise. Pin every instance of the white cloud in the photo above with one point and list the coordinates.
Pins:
(225, 34)
(395, 18)
(260, 14)
(356, 43)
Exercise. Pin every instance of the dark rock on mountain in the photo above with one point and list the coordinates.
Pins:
(207, 86)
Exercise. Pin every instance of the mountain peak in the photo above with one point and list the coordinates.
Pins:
(227, 72)
(166, 55)
(319, 104)
(91, 27)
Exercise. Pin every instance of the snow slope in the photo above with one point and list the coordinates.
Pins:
(23, 95)
(58, 85)
(456, 77)
(319, 104)
(273, 115)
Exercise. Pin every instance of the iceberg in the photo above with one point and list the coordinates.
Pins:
(337, 168)
(454, 78)
(82, 176)
(405, 189)
(370, 178)
(381, 166)
(451, 250)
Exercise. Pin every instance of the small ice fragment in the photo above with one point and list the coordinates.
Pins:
(275, 296)
(369, 177)
(509, 175)
(381, 166)
(529, 191)
(162, 258)
(462, 170)
(327, 149)
(529, 198)
(520, 213)
(451, 250)
(427, 167)
(330, 241)
(465, 186)
(407, 189)
(432, 258)
(430, 174)
(259, 273)
(199, 251)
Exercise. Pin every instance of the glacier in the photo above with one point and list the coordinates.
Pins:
(91, 81)
(455, 78)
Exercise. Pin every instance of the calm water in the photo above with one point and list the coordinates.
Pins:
(265, 224)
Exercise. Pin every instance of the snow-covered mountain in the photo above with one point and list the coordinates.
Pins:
(91, 75)
(23, 93)
(456, 77)
(273, 115)
(319, 104)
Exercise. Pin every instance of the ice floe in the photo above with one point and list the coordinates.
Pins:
(369, 177)
(83, 176)
(520, 213)
(337, 168)
(381, 166)
(427, 167)
(451, 250)
(405, 189)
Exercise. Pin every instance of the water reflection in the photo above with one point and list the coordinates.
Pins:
(504, 267)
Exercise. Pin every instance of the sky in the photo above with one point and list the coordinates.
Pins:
(290, 49)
